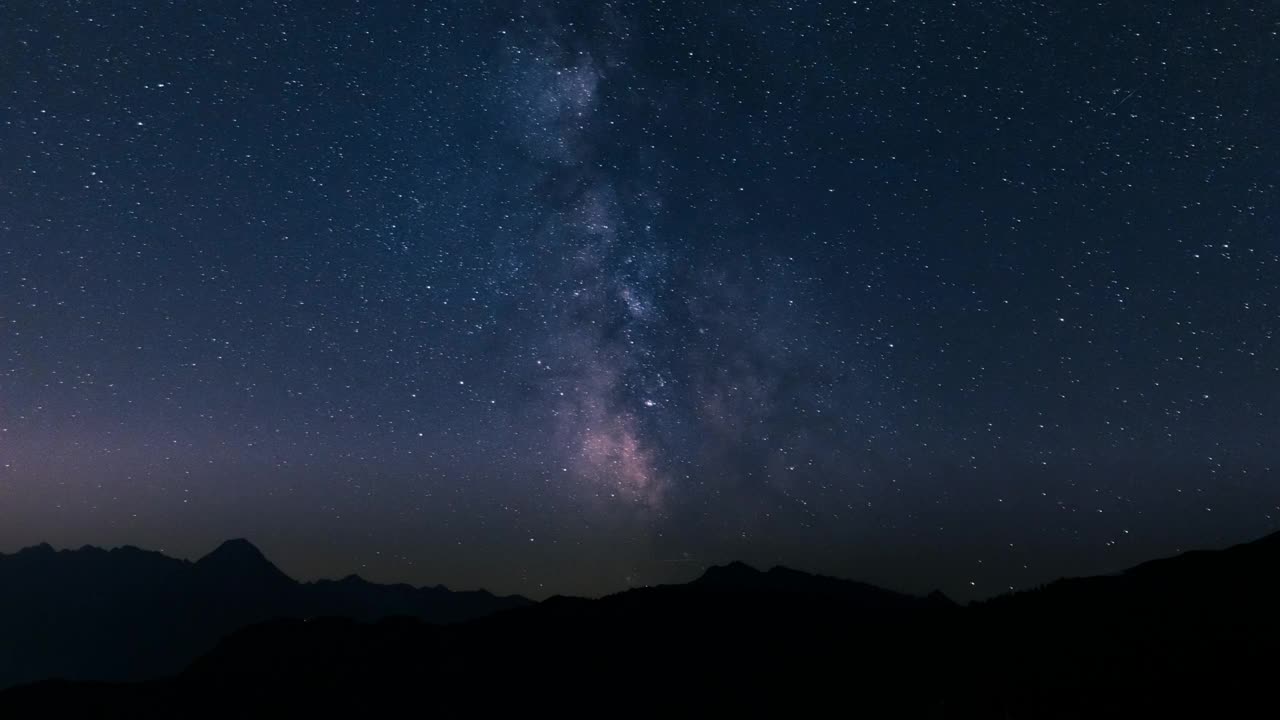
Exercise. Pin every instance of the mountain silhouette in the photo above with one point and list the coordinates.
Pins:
(128, 614)
(1233, 580)
(1190, 635)
(738, 577)
(242, 561)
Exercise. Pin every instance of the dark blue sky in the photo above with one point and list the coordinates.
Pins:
(566, 297)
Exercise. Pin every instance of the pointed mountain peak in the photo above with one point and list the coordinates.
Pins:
(237, 549)
(239, 558)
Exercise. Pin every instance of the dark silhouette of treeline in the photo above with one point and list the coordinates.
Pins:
(1194, 635)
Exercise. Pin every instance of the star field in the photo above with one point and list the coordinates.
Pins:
(556, 297)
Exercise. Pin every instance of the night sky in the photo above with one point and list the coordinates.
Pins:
(571, 297)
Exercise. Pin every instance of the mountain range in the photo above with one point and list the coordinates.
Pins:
(1190, 635)
(131, 614)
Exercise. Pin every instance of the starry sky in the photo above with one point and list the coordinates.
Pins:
(567, 297)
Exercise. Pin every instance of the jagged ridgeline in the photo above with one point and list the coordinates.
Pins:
(1194, 633)
(129, 614)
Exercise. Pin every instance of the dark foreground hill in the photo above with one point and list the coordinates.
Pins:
(128, 614)
(1189, 636)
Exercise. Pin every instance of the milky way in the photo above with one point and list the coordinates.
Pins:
(603, 266)
(565, 297)
(634, 344)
